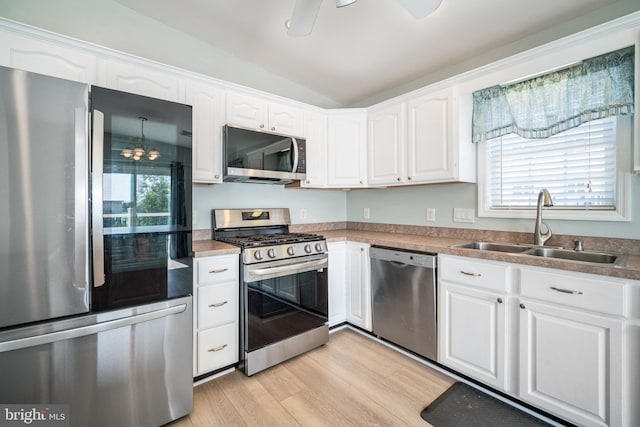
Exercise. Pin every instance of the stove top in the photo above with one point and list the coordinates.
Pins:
(261, 240)
(263, 235)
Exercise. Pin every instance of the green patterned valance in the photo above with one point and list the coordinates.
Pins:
(552, 103)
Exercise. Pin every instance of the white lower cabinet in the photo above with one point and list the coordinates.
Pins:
(349, 284)
(358, 285)
(571, 363)
(559, 340)
(337, 283)
(216, 302)
(473, 318)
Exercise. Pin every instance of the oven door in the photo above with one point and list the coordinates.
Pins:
(283, 299)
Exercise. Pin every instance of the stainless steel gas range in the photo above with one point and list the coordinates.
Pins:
(284, 285)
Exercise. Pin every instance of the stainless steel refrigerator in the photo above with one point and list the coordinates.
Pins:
(95, 267)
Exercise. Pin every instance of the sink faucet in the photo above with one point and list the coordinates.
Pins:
(544, 198)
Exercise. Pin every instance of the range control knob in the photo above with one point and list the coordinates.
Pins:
(257, 255)
(291, 251)
(307, 248)
(271, 253)
(318, 247)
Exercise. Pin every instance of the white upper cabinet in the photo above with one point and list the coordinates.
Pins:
(435, 153)
(315, 133)
(143, 79)
(48, 58)
(347, 148)
(387, 145)
(208, 118)
(257, 113)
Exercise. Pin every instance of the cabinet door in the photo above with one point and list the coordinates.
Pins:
(347, 149)
(285, 119)
(430, 137)
(386, 145)
(208, 119)
(571, 363)
(144, 80)
(337, 283)
(315, 133)
(358, 286)
(48, 58)
(246, 111)
(473, 332)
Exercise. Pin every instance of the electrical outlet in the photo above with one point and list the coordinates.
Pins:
(464, 215)
(303, 213)
(430, 214)
(194, 218)
(366, 213)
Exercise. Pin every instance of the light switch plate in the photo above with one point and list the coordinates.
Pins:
(464, 215)
(366, 213)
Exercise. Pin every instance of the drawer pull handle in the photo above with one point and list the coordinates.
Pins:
(218, 304)
(222, 347)
(219, 270)
(466, 273)
(566, 291)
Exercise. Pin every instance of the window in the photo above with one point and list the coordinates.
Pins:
(583, 168)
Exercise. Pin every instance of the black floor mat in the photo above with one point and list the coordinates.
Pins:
(464, 406)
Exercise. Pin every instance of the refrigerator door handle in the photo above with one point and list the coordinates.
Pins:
(66, 334)
(81, 207)
(97, 226)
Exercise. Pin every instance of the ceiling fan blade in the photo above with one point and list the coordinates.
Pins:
(420, 8)
(303, 17)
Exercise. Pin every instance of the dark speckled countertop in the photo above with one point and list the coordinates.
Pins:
(442, 241)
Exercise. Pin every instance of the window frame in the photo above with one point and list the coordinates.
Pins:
(621, 213)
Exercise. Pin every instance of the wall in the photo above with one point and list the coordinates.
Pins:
(407, 206)
(321, 205)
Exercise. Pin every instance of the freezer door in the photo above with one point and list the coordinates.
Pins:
(43, 197)
(129, 367)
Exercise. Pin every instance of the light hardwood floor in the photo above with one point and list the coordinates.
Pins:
(351, 381)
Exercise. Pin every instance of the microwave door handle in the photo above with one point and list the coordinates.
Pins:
(295, 155)
(97, 229)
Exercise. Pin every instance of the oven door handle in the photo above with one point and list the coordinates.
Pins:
(291, 268)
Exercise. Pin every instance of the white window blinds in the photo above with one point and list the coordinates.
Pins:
(577, 166)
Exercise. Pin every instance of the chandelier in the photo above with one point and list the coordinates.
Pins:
(140, 149)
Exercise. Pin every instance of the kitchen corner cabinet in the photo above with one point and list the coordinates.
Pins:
(216, 327)
(347, 148)
(337, 283)
(315, 133)
(358, 285)
(257, 113)
(474, 318)
(208, 118)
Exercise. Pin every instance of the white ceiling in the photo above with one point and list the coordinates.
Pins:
(368, 47)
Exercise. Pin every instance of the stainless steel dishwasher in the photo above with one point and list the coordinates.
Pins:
(404, 298)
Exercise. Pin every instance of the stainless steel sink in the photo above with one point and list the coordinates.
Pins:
(494, 246)
(583, 256)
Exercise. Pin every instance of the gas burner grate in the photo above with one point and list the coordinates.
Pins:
(259, 240)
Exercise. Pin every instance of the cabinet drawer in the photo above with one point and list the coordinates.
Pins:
(218, 269)
(573, 290)
(475, 273)
(217, 304)
(217, 347)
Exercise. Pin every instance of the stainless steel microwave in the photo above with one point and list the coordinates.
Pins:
(261, 157)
